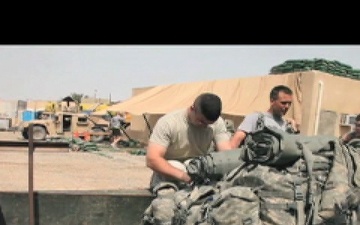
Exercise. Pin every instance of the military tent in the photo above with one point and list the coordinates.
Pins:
(319, 99)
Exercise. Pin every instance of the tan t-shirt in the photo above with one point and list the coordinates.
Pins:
(182, 139)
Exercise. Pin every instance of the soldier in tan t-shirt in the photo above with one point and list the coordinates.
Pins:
(182, 135)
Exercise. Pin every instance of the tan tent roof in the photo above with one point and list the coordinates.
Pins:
(320, 100)
(240, 96)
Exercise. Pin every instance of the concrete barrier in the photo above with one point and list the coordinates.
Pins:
(119, 207)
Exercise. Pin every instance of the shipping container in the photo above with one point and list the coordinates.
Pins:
(8, 108)
(5, 123)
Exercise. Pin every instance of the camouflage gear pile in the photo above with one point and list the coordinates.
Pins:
(354, 142)
(281, 179)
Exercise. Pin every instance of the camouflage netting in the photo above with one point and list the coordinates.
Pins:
(77, 144)
(332, 67)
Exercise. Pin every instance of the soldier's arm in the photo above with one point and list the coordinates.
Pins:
(237, 138)
(346, 137)
(155, 160)
(247, 125)
(157, 147)
(222, 136)
(224, 145)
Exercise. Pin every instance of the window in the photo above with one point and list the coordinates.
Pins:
(82, 120)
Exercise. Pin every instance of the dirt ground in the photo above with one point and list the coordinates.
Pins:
(63, 169)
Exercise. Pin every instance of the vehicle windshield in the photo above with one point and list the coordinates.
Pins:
(46, 116)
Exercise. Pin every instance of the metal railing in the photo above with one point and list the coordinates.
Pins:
(32, 145)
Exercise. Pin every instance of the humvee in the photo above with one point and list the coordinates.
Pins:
(66, 124)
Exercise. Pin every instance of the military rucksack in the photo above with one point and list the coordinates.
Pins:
(281, 179)
(355, 142)
(260, 124)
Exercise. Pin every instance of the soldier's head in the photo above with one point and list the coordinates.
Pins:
(281, 98)
(357, 124)
(205, 110)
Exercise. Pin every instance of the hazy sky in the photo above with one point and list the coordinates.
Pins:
(50, 72)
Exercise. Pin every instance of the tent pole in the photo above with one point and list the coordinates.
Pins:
(147, 123)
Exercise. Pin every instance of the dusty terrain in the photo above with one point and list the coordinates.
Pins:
(62, 169)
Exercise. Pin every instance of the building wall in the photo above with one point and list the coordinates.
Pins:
(340, 96)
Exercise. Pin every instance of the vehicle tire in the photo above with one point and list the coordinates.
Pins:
(25, 134)
(97, 138)
(39, 133)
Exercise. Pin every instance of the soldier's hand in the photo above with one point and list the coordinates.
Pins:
(195, 170)
(292, 123)
(186, 178)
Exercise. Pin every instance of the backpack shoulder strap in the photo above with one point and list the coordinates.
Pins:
(260, 123)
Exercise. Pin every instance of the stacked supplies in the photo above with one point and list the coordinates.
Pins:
(332, 67)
